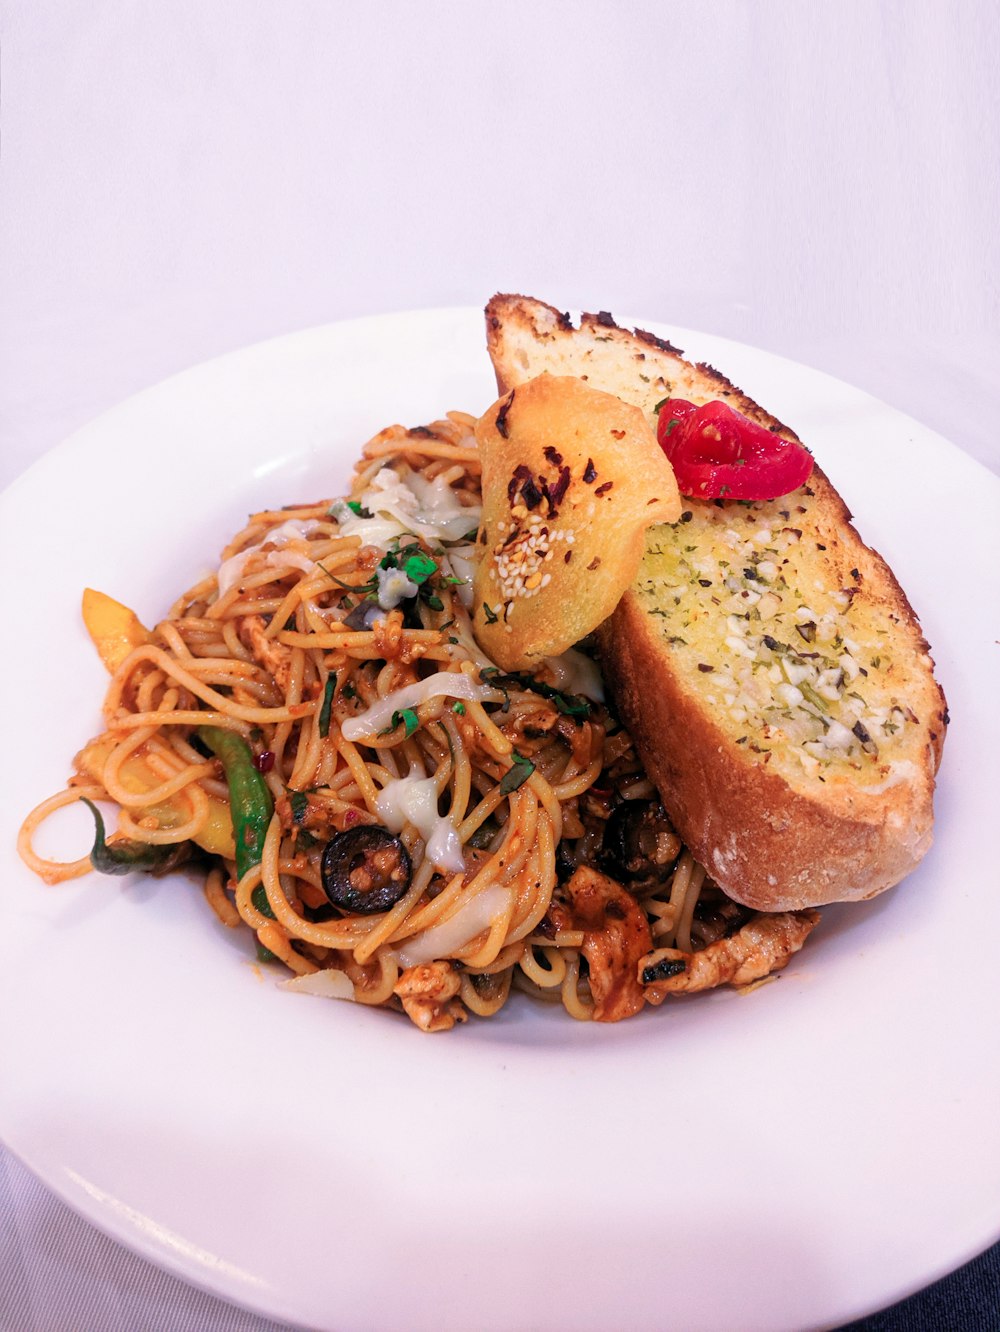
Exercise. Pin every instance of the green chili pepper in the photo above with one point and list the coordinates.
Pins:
(126, 856)
(259, 898)
(250, 802)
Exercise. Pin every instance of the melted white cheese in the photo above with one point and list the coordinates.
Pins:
(440, 509)
(443, 684)
(443, 940)
(575, 673)
(231, 570)
(325, 984)
(415, 800)
(428, 509)
(461, 561)
(394, 587)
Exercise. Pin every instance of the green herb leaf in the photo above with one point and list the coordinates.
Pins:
(408, 718)
(491, 675)
(402, 717)
(125, 856)
(517, 775)
(571, 705)
(358, 509)
(491, 615)
(364, 588)
(324, 712)
(459, 709)
(434, 602)
(299, 804)
(660, 405)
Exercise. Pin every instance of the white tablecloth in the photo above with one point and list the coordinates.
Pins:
(179, 180)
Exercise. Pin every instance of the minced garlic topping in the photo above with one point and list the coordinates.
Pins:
(786, 663)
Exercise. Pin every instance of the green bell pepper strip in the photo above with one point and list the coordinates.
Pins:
(250, 801)
(125, 857)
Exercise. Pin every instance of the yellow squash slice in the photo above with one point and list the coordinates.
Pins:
(572, 477)
(115, 630)
(216, 835)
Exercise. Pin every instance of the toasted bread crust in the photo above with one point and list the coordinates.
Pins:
(767, 845)
(770, 840)
(510, 317)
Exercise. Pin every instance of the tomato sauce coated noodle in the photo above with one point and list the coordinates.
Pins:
(326, 679)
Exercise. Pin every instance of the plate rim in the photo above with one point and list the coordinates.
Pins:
(93, 429)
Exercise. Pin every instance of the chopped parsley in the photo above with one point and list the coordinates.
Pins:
(419, 567)
(402, 717)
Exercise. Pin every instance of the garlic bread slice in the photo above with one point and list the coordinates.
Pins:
(769, 666)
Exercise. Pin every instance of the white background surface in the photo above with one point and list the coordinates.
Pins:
(177, 180)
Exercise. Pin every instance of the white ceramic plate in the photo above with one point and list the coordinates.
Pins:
(788, 1159)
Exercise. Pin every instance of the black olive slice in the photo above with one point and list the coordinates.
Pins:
(365, 870)
(639, 841)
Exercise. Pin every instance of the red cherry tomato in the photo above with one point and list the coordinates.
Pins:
(718, 453)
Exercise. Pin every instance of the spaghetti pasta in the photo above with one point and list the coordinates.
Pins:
(335, 643)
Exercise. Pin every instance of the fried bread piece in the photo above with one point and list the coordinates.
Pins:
(766, 661)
